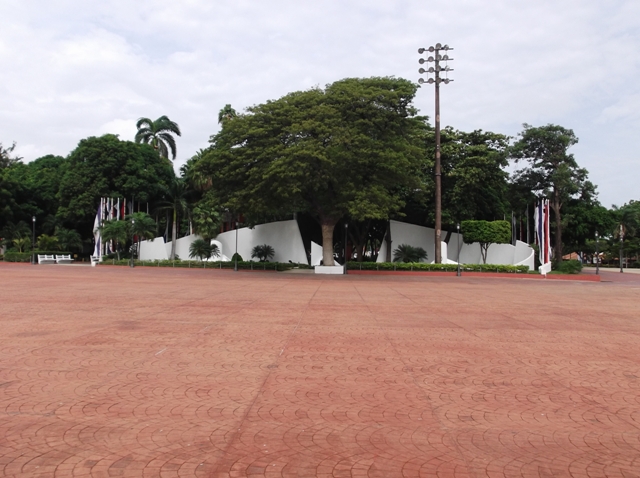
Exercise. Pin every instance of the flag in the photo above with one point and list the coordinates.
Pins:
(542, 232)
(97, 250)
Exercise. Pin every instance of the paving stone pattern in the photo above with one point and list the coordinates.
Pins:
(109, 371)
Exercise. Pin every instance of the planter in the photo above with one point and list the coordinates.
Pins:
(329, 269)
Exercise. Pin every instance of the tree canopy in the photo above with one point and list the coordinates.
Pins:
(159, 134)
(486, 233)
(344, 150)
(551, 171)
(107, 167)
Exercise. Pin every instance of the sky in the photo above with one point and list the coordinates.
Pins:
(73, 69)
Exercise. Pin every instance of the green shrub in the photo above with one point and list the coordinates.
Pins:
(569, 267)
(421, 266)
(408, 253)
(244, 265)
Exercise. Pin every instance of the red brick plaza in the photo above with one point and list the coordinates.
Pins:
(155, 372)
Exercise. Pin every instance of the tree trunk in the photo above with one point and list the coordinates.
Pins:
(174, 233)
(484, 247)
(327, 225)
(557, 250)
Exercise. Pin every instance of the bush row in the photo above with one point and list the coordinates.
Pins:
(244, 265)
(421, 266)
(10, 256)
(569, 267)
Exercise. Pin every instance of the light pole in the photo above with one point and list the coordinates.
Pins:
(621, 243)
(597, 255)
(133, 249)
(346, 227)
(437, 58)
(33, 242)
(235, 256)
(458, 260)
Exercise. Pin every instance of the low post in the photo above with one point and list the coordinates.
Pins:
(597, 255)
(235, 256)
(458, 273)
(621, 248)
(133, 222)
(33, 242)
(346, 227)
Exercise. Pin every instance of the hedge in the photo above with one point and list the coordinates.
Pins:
(26, 256)
(421, 266)
(244, 265)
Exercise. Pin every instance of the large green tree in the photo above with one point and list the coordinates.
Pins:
(550, 171)
(159, 134)
(107, 167)
(339, 151)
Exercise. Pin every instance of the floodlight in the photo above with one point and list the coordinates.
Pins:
(422, 70)
(421, 61)
(431, 49)
(438, 46)
(421, 81)
(421, 50)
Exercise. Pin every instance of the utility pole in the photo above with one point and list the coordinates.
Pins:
(436, 70)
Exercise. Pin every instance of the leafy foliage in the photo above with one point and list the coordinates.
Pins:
(407, 253)
(108, 167)
(486, 233)
(551, 171)
(117, 231)
(22, 244)
(159, 134)
(203, 249)
(263, 252)
(342, 150)
(48, 243)
(6, 158)
(569, 267)
(68, 239)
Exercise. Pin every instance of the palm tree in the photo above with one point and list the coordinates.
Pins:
(48, 243)
(143, 226)
(22, 244)
(175, 200)
(263, 252)
(68, 239)
(117, 231)
(203, 249)
(158, 134)
(407, 253)
(226, 113)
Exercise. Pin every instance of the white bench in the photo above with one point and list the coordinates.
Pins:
(46, 259)
(63, 259)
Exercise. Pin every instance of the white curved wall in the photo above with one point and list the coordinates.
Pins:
(419, 236)
(153, 250)
(283, 236)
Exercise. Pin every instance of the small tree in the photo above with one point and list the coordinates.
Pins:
(117, 231)
(68, 239)
(407, 253)
(486, 233)
(22, 244)
(201, 249)
(263, 252)
(144, 227)
(48, 243)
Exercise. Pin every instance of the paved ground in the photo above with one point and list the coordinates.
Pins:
(152, 372)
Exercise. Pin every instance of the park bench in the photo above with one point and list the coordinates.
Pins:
(63, 259)
(46, 259)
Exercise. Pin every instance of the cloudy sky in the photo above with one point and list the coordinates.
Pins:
(73, 69)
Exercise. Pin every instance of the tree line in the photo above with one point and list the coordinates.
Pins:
(355, 152)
